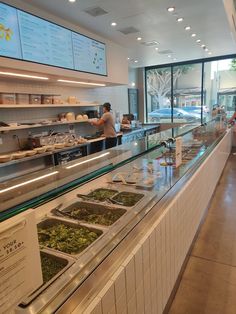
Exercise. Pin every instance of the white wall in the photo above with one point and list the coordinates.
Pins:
(117, 63)
(133, 77)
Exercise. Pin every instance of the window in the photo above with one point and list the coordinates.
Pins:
(189, 101)
(187, 81)
(220, 85)
(158, 82)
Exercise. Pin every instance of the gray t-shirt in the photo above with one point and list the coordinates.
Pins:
(109, 125)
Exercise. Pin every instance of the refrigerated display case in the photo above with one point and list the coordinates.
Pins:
(85, 208)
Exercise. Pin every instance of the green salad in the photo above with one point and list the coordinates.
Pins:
(102, 194)
(50, 266)
(128, 198)
(103, 216)
(62, 237)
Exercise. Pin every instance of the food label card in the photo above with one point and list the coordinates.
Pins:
(20, 267)
(178, 152)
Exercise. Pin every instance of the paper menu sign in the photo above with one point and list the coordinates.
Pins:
(20, 267)
(178, 152)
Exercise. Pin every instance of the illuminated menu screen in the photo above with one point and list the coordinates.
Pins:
(9, 32)
(28, 37)
(45, 42)
(89, 55)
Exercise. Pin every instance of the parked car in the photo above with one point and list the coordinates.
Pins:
(195, 109)
(179, 115)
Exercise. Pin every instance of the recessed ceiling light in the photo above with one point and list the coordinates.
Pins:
(187, 28)
(198, 40)
(171, 9)
(156, 48)
(180, 19)
(174, 59)
(210, 53)
(128, 58)
(24, 75)
(203, 46)
(132, 84)
(113, 24)
(139, 38)
(206, 49)
(193, 35)
(169, 56)
(136, 61)
(71, 0)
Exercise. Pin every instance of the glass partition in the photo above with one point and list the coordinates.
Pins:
(36, 188)
(158, 82)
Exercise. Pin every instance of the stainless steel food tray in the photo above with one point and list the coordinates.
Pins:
(67, 261)
(99, 189)
(65, 210)
(113, 200)
(48, 222)
(126, 192)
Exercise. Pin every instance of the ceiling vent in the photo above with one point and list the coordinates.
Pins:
(128, 30)
(95, 11)
(165, 52)
(150, 43)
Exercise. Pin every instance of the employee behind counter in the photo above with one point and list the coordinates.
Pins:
(108, 122)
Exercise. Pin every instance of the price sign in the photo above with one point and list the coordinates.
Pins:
(20, 267)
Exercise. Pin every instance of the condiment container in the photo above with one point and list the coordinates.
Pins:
(47, 99)
(35, 99)
(72, 100)
(22, 99)
(56, 100)
(7, 98)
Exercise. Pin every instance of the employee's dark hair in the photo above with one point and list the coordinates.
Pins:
(107, 105)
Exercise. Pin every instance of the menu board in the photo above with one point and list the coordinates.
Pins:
(27, 37)
(9, 32)
(89, 55)
(45, 42)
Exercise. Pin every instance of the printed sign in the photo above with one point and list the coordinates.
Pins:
(20, 267)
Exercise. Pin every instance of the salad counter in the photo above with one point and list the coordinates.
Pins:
(95, 215)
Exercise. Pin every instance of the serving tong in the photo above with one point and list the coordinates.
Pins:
(108, 199)
(59, 212)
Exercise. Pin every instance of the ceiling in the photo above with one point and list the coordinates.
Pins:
(207, 19)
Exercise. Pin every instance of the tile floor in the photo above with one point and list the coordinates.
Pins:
(208, 285)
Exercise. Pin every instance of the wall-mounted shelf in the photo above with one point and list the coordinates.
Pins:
(15, 106)
(22, 127)
(36, 156)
